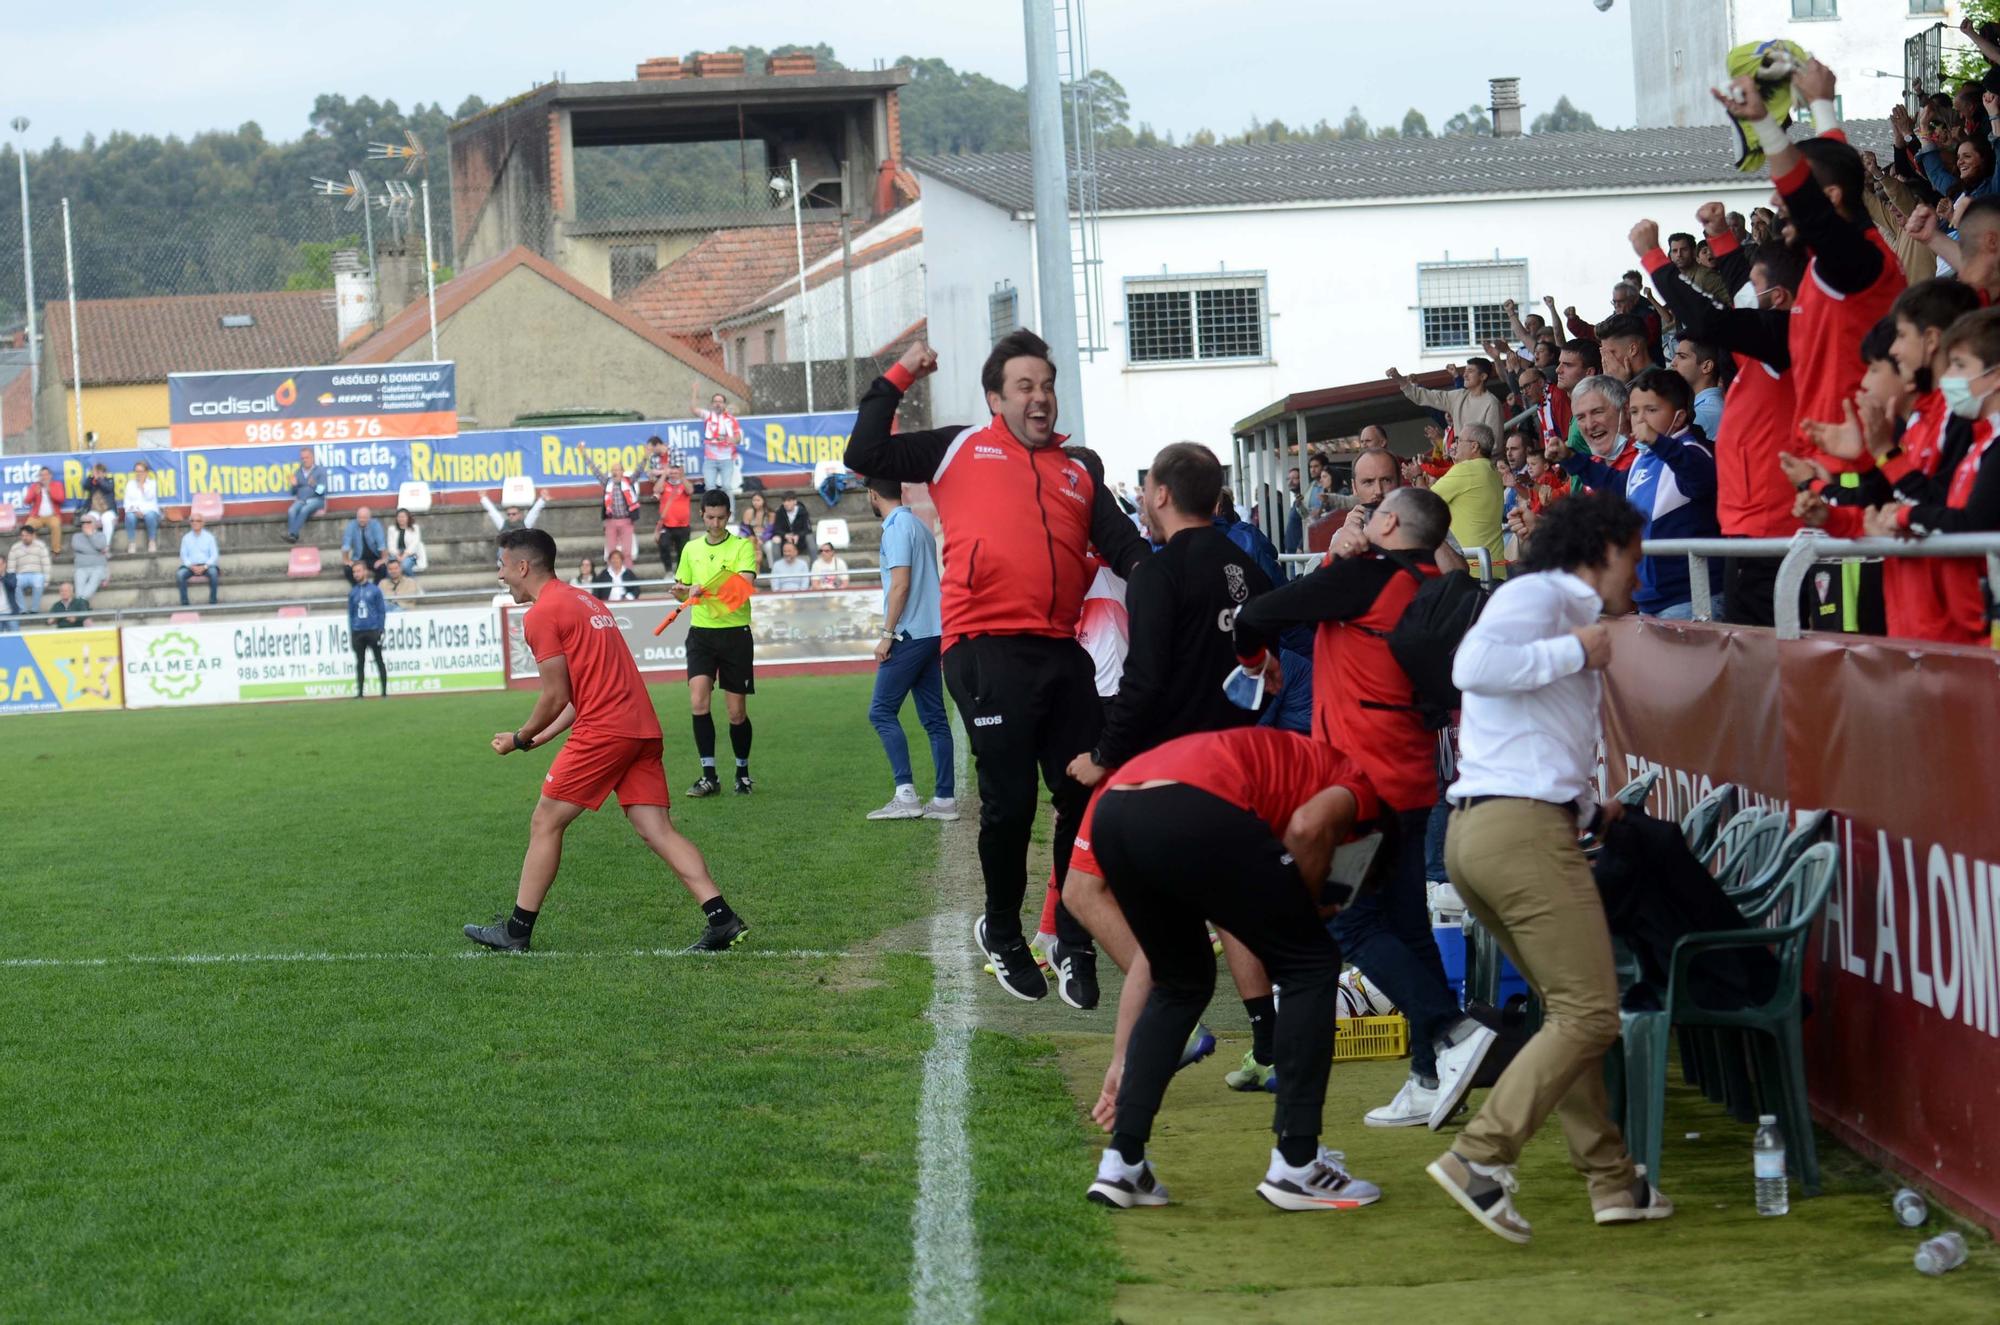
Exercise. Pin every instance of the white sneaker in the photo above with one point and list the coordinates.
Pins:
(1324, 1184)
(1457, 1065)
(1123, 1185)
(900, 806)
(1411, 1108)
(945, 809)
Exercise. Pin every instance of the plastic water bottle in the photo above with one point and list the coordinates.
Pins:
(1910, 1207)
(1768, 1158)
(1942, 1254)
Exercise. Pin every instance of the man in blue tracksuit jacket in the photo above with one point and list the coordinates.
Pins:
(366, 613)
(1671, 481)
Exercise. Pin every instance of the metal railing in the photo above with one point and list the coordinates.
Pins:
(1798, 554)
(118, 616)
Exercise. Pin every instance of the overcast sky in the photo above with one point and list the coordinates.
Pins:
(100, 65)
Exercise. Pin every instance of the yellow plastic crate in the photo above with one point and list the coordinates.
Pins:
(1361, 1038)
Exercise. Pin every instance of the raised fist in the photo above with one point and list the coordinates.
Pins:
(919, 361)
(1714, 218)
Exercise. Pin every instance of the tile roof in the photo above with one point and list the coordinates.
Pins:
(412, 324)
(17, 402)
(1142, 178)
(720, 274)
(787, 288)
(143, 340)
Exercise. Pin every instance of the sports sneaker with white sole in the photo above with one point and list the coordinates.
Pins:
(1122, 1186)
(1075, 970)
(1411, 1107)
(1324, 1184)
(1012, 966)
(900, 807)
(1484, 1191)
(1644, 1201)
(1457, 1065)
(943, 809)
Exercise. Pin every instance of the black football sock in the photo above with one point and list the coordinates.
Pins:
(1298, 1151)
(1130, 1148)
(704, 741)
(1263, 1026)
(521, 924)
(717, 910)
(739, 741)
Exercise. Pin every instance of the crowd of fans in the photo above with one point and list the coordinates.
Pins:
(1823, 363)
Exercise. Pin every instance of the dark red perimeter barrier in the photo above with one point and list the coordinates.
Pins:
(1902, 742)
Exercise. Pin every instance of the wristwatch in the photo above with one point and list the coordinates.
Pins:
(522, 742)
(889, 635)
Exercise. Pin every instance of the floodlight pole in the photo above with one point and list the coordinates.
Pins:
(20, 125)
(374, 278)
(1055, 304)
(847, 287)
(799, 238)
(430, 271)
(75, 341)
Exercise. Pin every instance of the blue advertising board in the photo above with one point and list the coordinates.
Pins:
(305, 406)
(472, 461)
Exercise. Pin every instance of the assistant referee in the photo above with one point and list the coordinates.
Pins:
(719, 650)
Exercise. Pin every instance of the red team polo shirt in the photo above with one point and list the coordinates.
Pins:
(1268, 772)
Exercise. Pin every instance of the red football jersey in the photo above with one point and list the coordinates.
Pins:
(603, 678)
(1260, 769)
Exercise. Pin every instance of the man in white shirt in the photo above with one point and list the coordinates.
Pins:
(791, 573)
(721, 439)
(1530, 672)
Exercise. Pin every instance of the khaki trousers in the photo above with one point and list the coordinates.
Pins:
(1517, 865)
(51, 527)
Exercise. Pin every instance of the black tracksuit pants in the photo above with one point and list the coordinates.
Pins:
(1030, 706)
(1176, 858)
(365, 642)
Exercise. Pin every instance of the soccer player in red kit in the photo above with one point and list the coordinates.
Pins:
(590, 688)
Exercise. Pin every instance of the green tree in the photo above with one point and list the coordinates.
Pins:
(1565, 118)
(1414, 124)
(313, 269)
(948, 112)
(1469, 123)
(1963, 63)
(1354, 126)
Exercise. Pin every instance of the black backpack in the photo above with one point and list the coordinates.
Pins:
(1425, 638)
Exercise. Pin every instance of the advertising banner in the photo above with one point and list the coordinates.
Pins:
(306, 406)
(469, 462)
(264, 658)
(788, 628)
(60, 671)
(1903, 744)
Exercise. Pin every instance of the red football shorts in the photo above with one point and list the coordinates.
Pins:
(591, 767)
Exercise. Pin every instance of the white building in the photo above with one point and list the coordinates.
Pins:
(1679, 48)
(1234, 276)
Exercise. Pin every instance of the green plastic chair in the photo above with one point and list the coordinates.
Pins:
(1769, 1035)
(1705, 819)
(1634, 793)
(1814, 827)
(1746, 846)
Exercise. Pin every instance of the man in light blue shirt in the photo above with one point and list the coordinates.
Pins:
(198, 558)
(909, 652)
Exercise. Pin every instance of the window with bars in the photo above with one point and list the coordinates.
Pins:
(1461, 305)
(1003, 313)
(1196, 319)
(1820, 8)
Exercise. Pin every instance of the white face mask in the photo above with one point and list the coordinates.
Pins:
(1747, 296)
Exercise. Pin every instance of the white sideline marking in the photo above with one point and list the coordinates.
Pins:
(944, 1267)
(264, 958)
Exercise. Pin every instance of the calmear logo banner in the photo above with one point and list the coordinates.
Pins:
(254, 659)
